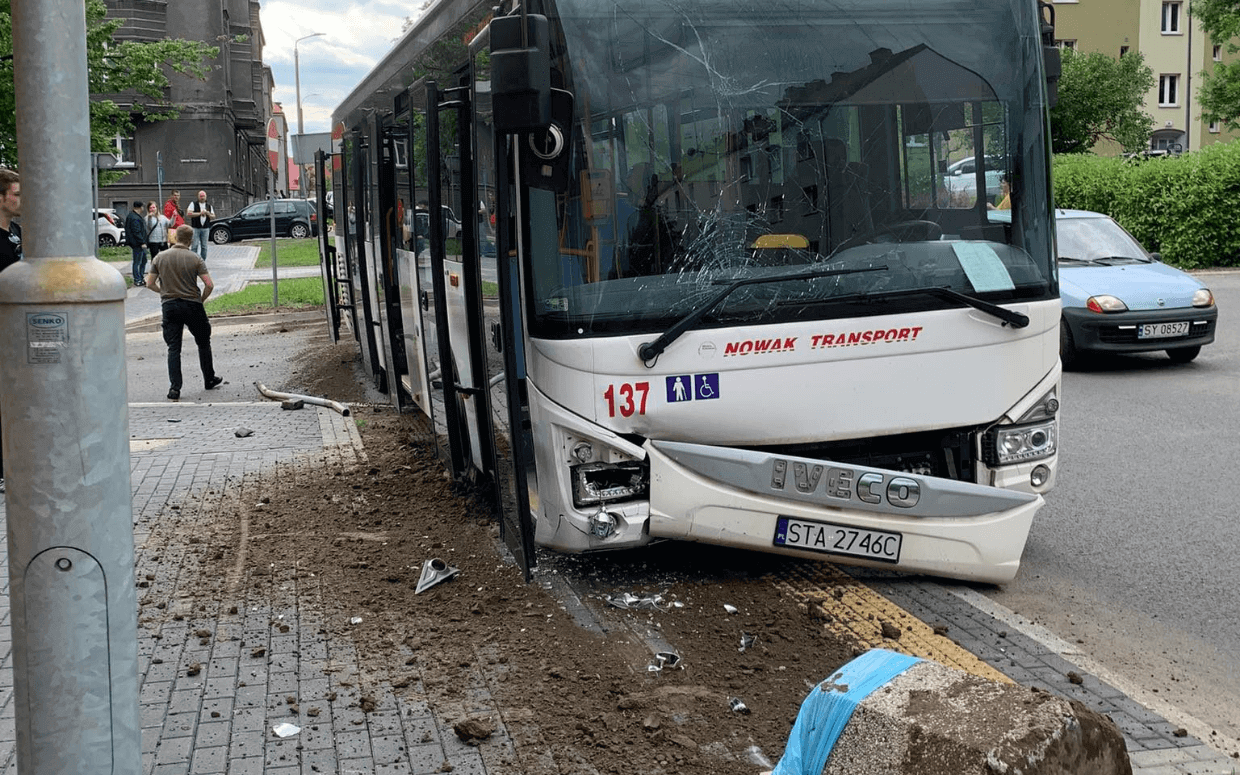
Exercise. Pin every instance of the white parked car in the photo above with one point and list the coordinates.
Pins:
(109, 231)
(961, 177)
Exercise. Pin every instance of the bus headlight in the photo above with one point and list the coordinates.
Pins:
(1009, 444)
(596, 483)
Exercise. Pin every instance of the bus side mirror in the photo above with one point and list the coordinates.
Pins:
(1053, 66)
(520, 73)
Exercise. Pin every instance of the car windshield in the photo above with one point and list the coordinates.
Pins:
(1097, 239)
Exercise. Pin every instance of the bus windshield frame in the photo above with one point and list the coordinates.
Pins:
(719, 141)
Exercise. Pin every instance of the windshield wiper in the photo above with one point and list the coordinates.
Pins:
(1112, 260)
(1075, 260)
(1014, 319)
(650, 351)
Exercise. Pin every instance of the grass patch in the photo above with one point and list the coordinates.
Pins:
(289, 252)
(301, 293)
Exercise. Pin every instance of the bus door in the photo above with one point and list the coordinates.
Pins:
(448, 287)
(390, 333)
(496, 240)
(328, 268)
(414, 385)
(354, 205)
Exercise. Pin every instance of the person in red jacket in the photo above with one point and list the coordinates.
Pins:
(173, 211)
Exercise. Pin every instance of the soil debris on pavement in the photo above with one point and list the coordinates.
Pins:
(495, 658)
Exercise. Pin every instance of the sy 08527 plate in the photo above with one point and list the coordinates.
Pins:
(830, 538)
(1160, 330)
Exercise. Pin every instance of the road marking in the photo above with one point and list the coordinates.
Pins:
(850, 609)
(1196, 727)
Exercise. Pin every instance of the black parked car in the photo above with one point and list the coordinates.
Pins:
(295, 218)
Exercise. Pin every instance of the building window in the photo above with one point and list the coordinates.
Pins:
(1066, 44)
(1168, 91)
(122, 148)
(1123, 50)
(1171, 18)
(1213, 127)
(1218, 53)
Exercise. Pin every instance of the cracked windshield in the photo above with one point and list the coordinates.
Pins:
(832, 180)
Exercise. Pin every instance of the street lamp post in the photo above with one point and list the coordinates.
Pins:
(300, 126)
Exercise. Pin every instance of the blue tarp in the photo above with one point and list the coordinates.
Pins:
(829, 706)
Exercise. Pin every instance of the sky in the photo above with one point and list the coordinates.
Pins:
(357, 34)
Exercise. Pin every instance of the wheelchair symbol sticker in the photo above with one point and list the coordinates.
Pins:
(706, 386)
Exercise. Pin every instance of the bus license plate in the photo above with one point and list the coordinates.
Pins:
(837, 539)
(1160, 330)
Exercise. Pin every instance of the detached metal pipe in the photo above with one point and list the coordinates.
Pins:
(344, 410)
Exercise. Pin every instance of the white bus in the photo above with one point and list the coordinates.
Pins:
(712, 280)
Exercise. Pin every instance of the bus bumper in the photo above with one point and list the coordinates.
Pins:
(744, 499)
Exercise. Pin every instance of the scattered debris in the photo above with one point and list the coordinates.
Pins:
(285, 730)
(241, 433)
(629, 600)
(891, 631)
(194, 669)
(1180, 732)
(747, 641)
(730, 608)
(757, 758)
(355, 620)
(434, 571)
(293, 405)
(664, 659)
(1075, 678)
(473, 729)
(174, 419)
(737, 705)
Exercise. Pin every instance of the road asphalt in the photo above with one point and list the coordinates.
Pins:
(222, 720)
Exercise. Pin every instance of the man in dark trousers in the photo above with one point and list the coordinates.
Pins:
(135, 238)
(10, 238)
(174, 276)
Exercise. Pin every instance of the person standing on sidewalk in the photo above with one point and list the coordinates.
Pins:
(135, 238)
(157, 225)
(10, 239)
(200, 214)
(174, 276)
(172, 210)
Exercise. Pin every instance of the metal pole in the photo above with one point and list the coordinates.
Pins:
(297, 86)
(275, 282)
(66, 431)
(301, 170)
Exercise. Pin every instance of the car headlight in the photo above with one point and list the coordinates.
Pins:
(596, 483)
(1007, 444)
(1203, 298)
(1105, 303)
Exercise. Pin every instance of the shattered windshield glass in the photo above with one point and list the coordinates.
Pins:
(717, 141)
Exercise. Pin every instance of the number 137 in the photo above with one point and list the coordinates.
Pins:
(630, 402)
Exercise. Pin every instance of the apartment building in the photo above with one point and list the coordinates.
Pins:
(1174, 47)
(218, 142)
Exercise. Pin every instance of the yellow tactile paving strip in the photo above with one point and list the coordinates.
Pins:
(850, 609)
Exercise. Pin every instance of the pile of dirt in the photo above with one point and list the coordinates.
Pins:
(571, 676)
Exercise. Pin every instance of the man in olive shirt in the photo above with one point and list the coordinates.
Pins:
(174, 275)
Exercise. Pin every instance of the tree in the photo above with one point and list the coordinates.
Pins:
(137, 70)
(1219, 95)
(1100, 98)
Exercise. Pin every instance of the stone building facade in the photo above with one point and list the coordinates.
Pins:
(218, 143)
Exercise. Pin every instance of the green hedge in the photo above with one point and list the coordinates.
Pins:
(1183, 207)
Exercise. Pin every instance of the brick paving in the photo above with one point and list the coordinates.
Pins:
(260, 648)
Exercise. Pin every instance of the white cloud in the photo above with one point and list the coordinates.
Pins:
(357, 34)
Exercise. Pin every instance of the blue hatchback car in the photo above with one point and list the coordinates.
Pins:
(1117, 298)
